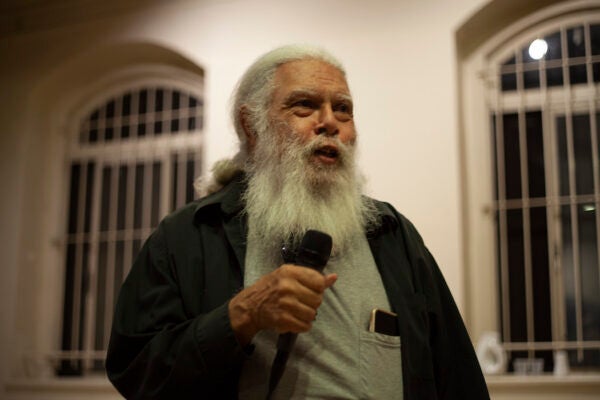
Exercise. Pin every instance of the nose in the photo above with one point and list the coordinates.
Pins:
(327, 123)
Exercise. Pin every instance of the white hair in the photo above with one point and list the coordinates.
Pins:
(252, 97)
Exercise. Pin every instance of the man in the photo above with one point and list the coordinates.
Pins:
(201, 310)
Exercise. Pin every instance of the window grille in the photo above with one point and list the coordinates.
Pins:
(134, 160)
(545, 115)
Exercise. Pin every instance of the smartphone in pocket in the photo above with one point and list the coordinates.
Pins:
(384, 322)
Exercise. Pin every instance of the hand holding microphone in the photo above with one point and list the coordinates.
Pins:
(287, 299)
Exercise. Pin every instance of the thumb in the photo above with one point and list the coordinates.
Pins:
(330, 280)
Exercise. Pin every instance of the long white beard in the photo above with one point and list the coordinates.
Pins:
(288, 194)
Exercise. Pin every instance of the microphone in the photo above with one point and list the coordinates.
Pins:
(314, 252)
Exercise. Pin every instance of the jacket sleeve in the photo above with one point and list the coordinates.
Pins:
(157, 349)
(456, 368)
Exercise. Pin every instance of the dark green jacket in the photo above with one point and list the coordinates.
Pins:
(171, 337)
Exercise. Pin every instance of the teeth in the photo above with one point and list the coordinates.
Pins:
(328, 152)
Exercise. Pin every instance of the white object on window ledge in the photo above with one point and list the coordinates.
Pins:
(561, 363)
(490, 353)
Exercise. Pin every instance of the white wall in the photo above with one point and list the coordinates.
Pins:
(400, 57)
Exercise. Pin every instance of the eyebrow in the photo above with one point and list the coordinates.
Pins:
(299, 93)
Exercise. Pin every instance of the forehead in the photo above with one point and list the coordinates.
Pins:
(313, 75)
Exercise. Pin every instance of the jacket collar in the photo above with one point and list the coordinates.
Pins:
(229, 199)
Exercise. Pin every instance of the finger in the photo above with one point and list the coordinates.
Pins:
(300, 320)
(291, 292)
(330, 279)
(308, 277)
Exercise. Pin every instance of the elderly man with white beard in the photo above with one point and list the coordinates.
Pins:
(201, 310)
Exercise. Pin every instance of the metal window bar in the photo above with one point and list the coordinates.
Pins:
(111, 250)
(182, 174)
(129, 216)
(79, 259)
(92, 295)
(501, 187)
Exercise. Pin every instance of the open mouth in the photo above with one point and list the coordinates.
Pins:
(328, 154)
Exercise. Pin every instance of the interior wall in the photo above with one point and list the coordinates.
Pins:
(400, 58)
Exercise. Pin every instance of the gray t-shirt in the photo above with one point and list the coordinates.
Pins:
(338, 358)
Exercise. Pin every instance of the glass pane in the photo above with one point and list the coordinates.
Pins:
(563, 155)
(138, 196)
(105, 199)
(101, 297)
(576, 48)
(595, 39)
(141, 129)
(158, 127)
(584, 177)
(512, 163)
(175, 100)
(495, 159)
(74, 197)
(126, 110)
(531, 79)
(554, 77)
(540, 274)
(110, 110)
(568, 271)
(89, 187)
(554, 46)
(156, 190)
(174, 125)
(189, 179)
(535, 154)
(554, 73)
(191, 124)
(68, 343)
(516, 271)
(595, 47)
(109, 134)
(159, 100)
(122, 197)
(590, 280)
(119, 268)
(174, 180)
(143, 102)
(576, 42)
(531, 75)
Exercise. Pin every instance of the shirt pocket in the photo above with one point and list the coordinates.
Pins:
(380, 366)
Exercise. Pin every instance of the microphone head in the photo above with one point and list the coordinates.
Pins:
(315, 249)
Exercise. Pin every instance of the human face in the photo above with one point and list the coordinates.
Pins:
(311, 99)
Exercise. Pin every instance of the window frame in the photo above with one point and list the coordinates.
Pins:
(482, 309)
(36, 358)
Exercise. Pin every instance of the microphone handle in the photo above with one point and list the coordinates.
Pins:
(286, 341)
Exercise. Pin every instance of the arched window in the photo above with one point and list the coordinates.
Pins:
(531, 114)
(545, 111)
(132, 160)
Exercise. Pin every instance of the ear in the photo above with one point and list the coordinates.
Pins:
(249, 131)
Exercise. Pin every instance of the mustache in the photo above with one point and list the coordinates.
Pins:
(345, 151)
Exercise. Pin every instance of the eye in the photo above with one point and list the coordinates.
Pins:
(344, 108)
(303, 107)
(304, 103)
